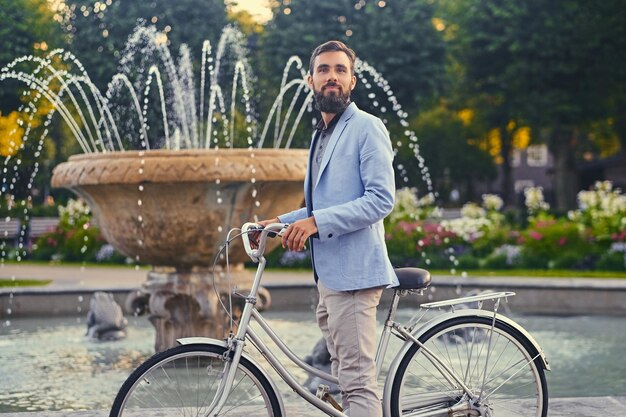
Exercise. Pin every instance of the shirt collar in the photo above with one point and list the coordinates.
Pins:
(322, 126)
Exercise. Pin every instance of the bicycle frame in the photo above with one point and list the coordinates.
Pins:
(236, 343)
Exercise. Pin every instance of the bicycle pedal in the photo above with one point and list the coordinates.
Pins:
(323, 393)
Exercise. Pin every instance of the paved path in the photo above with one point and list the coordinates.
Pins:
(118, 277)
(558, 407)
(131, 277)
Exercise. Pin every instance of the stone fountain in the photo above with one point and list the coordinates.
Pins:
(173, 209)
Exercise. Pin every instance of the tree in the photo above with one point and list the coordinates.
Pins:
(396, 37)
(454, 162)
(553, 65)
(28, 27)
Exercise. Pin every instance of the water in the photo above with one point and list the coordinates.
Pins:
(47, 364)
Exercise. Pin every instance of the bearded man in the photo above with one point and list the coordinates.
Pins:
(349, 190)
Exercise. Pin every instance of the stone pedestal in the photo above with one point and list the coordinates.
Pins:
(186, 304)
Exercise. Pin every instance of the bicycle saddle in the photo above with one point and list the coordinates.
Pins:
(412, 278)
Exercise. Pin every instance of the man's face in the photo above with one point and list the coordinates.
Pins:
(332, 81)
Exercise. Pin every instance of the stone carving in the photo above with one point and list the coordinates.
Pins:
(105, 320)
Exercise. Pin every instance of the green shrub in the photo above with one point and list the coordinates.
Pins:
(569, 260)
(612, 261)
(468, 261)
(496, 261)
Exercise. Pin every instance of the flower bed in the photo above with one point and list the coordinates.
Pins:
(591, 237)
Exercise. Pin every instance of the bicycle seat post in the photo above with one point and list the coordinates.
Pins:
(386, 333)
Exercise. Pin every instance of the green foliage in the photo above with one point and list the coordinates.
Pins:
(495, 261)
(553, 65)
(74, 239)
(398, 39)
(452, 161)
(560, 243)
(612, 261)
(28, 27)
(12, 283)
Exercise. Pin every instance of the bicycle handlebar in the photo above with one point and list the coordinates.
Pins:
(271, 230)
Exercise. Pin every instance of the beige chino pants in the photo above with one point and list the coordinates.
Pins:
(348, 322)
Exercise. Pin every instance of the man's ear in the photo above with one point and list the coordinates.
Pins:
(353, 82)
(309, 80)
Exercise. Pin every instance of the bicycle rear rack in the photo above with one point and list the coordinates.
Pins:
(493, 296)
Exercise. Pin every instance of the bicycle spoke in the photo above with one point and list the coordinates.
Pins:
(184, 381)
(434, 376)
(487, 355)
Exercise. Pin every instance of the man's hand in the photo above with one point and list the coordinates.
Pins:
(254, 236)
(297, 233)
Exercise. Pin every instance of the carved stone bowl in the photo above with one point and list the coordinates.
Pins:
(175, 208)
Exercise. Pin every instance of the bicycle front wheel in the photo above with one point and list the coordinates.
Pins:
(498, 364)
(182, 381)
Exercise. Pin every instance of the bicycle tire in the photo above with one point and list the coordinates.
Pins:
(165, 385)
(525, 390)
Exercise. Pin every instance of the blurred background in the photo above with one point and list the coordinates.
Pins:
(504, 96)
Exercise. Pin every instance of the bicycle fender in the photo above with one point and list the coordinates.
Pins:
(222, 343)
(440, 319)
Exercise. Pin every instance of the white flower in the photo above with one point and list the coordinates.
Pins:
(407, 205)
(427, 200)
(492, 202)
(466, 227)
(472, 211)
(604, 186)
(587, 199)
(534, 199)
(574, 215)
(74, 209)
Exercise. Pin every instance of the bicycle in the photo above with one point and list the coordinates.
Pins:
(462, 362)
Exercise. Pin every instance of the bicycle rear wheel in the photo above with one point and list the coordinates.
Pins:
(505, 365)
(183, 381)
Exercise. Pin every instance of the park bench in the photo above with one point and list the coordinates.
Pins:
(11, 230)
(41, 225)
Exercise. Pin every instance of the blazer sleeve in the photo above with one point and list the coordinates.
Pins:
(293, 216)
(376, 169)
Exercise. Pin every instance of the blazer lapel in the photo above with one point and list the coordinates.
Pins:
(341, 125)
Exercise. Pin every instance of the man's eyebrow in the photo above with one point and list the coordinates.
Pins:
(324, 66)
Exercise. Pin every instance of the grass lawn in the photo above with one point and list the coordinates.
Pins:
(9, 283)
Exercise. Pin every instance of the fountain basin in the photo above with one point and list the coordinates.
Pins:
(174, 208)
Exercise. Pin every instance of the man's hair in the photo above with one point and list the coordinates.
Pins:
(332, 46)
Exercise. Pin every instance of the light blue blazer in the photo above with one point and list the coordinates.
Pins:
(352, 195)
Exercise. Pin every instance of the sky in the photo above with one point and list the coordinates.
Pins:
(259, 9)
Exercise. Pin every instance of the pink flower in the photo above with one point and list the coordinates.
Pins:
(562, 241)
(536, 235)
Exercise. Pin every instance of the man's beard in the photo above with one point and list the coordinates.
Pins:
(332, 103)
